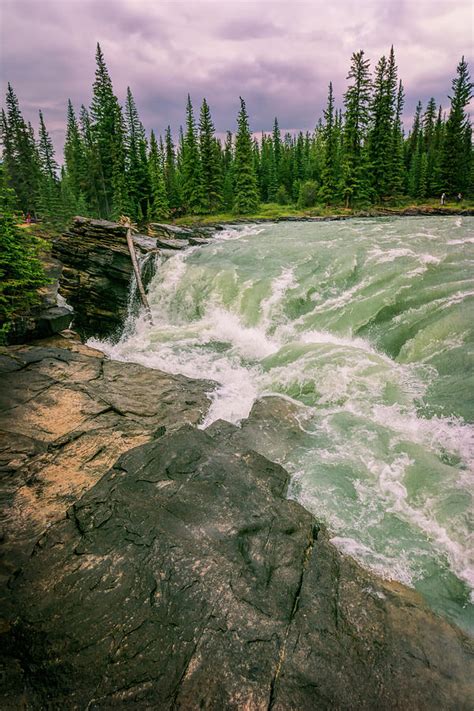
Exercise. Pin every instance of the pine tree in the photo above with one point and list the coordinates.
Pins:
(75, 158)
(20, 155)
(414, 153)
(159, 206)
(210, 161)
(436, 176)
(121, 203)
(277, 151)
(396, 185)
(193, 197)
(457, 154)
(228, 170)
(171, 178)
(49, 189)
(91, 163)
(429, 164)
(328, 190)
(136, 159)
(107, 133)
(245, 181)
(355, 174)
(382, 121)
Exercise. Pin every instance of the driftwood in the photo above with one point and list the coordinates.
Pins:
(126, 222)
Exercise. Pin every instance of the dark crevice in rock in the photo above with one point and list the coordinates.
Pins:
(282, 652)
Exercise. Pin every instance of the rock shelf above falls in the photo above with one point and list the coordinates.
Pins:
(97, 270)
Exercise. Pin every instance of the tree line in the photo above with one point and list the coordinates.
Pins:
(357, 155)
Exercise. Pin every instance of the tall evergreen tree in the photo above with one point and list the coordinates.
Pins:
(397, 178)
(355, 174)
(382, 120)
(20, 154)
(136, 159)
(210, 161)
(228, 170)
(415, 153)
(171, 178)
(457, 155)
(49, 189)
(328, 190)
(245, 180)
(74, 157)
(107, 132)
(193, 196)
(159, 207)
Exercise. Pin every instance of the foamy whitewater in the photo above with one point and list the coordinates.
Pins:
(366, 329)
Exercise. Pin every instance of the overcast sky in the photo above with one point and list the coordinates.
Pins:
(279, 56)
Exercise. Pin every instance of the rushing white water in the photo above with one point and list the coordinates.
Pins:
(366, 326)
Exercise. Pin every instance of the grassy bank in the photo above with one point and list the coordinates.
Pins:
(272, 211)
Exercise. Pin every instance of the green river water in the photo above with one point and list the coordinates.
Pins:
(367, 327)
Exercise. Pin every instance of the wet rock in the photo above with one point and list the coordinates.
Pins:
(66, 414)
(172, 243)
(46, 318)
(165, 231)
(185, 579)
(96, 274)
(97, 269)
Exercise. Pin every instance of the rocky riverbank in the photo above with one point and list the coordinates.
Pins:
(156, 565)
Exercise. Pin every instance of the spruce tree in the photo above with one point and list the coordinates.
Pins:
(171, 178)
(382, 121)
(193, 196)
(277, 151)
(414, 152)
(228, 171)
(20, 154)
(159, 206)
(397, 178)
(136, 159)
(457, 153)
(49, 188)
(355, 174)
(245, 181)
(75, 158)
(210, 161)
(328, 190)
(107, 133)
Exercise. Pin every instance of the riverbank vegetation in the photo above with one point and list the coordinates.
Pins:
(357, 156)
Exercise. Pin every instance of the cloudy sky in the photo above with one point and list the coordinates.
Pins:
(279, 56)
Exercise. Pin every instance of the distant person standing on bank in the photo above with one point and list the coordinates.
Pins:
(458, 197)
(443, 199)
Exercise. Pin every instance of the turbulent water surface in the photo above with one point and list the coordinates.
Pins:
(367, 327)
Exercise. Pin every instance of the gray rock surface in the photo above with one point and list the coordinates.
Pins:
(184, 579)
(66, 414)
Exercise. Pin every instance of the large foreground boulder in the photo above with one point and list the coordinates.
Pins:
(184, 579)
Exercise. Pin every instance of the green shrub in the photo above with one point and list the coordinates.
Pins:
(308, 194)
(21, 271)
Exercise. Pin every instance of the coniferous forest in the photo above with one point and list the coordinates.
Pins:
(358, 154)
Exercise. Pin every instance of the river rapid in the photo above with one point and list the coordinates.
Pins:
(366, 328)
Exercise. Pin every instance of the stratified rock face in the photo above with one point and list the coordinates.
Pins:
(97, 270)
(185, 580)
(96, 274)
